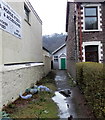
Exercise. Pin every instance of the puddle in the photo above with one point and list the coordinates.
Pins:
(65, 105)
(59, 78)
(63, 97)
(60, 100)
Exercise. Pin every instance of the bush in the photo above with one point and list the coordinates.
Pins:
(91, 80)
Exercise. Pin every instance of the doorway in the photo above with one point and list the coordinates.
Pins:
(63, 63)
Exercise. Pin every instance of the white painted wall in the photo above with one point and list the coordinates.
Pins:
(18, 78)
(0, 47)
(0, 91)
(29, 47)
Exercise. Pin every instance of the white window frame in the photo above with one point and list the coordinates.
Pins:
(99, 17)
(99, 44)
(56, 59)
(27, 10)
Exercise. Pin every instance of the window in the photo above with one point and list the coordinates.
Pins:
(91, 53)
(91, 18)
(27, 11)
(55, 58)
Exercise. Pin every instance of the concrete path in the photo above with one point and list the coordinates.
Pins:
(74, 105)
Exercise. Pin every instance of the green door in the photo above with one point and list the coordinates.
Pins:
(63, 63)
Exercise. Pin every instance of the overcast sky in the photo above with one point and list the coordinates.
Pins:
(52, 14)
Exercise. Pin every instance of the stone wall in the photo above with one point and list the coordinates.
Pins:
(71, 43)
(89, 36)
(74, 47)
(103, 17)
(18, 78)
(47, 65)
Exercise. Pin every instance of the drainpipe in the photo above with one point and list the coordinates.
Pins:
(75, 37)
(80, 31)
(76, 34)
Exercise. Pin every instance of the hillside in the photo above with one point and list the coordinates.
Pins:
(52, 42)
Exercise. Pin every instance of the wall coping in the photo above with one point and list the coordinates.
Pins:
(15, 67)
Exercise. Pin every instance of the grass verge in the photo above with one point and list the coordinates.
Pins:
(39, 106)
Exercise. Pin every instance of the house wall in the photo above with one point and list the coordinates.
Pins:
(0, 47)
(70, 43)
(15, 78)
(0, 69)
(92, 36)
(103, 17)
(29, 47)
(88, 37)
(56, 65)
(0, 90)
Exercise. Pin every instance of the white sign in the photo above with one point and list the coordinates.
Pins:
(10, 21)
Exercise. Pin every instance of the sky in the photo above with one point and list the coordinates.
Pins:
(52, 14)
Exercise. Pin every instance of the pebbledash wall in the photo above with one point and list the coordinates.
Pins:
(21, 54)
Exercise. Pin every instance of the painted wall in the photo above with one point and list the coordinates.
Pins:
(0, 91)
(56, 65)
(29, 47)
(18, 78)
(0, 47)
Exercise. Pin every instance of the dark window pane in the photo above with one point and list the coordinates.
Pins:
(91, 53)
(26, 13)
(56, 57)
(91, 11)
(91, 23)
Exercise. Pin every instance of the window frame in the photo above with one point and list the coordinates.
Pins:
(55, 58)
(27, 13)
(91, 16)
(98, 15)
(100, 50)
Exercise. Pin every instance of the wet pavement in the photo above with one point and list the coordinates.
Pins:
(69, 99)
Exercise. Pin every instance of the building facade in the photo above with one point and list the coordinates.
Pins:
(85, 27)
(21, 52)
(59, 58)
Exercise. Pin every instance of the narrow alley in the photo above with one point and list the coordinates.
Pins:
(73, 105)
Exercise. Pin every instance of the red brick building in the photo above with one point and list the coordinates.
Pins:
(85, 25)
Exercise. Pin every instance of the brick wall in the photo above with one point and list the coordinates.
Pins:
(73, 40)
(93, 35)
(103, 17)
(70, 43)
